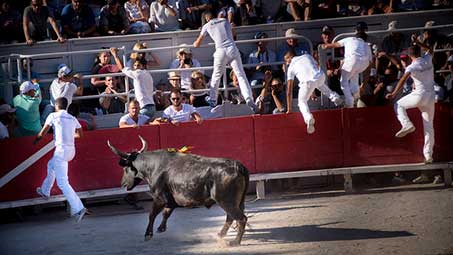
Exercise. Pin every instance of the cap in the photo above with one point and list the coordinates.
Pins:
(327, 30)
(4, 108)
(27, 86)
(392, 25)
(173, 76)
(64, 71)
(450, 59)
(291, 32)
(260, 35)
(184, 49)
(361, 26)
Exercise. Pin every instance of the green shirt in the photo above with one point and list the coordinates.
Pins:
(27, 112)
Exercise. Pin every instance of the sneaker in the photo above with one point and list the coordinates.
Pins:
(211, 103)
(252, 105)
(78, 216)
(428, 160)
(39, 191)
(421, 179)
(438, 179)
(311, 126)
(404, 131)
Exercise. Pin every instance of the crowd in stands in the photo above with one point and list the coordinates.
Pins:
(38, 20)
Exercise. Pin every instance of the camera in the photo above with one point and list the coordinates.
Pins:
(187, 61)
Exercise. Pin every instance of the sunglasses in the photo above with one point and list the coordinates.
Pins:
(175, 98)
(197, 78)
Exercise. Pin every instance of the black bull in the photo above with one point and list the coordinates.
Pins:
(186, 180)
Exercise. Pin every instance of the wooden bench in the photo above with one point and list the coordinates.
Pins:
(260, 180)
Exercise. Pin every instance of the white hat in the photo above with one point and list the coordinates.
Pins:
(4, 108)
(64, 71)
(184, 48)
(291, 32)
(392, 25)
(27, 86)
(173, 75)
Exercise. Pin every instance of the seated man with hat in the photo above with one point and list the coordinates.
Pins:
(183, 60)
(27, 110)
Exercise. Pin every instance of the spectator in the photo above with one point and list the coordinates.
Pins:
(323, 9)
(299, 9)
(77, 20)
(352, 8)
(27, 110)
(226, 10)
(269, 11)
(102, 62)
(174, 79)
(292, 44)
(198, 82)
(133, 118)
(184, 59)
(164, 16)
(63, 86)
(246, 14)
(190, 12)
(113, 19)
(34, 76)
(372, 91)
(395, 42)
(112, 104)
(390, 81)
(7, 121)
(235, 96)
(10, 21)
(138, 14)
(381, 7)
(357, 58)
(272, 97)
(150, 62)
(143, 83)
(179, 112)
(260, 56)
(34, 23)
(331, 66)
(310, 77)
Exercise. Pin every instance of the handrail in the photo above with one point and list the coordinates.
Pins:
(65, 53)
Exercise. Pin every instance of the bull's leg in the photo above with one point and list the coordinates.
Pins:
(226, 226)
(165, 215)
(155, 210)
(237, 214)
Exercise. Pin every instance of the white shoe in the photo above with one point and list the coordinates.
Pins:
(78, 216)
(311, 126)
(404, 131)
(421, 179)
(39, 191)
(252, 105)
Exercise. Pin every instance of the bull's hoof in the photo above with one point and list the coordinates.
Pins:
(233, 243)
(148, 237)
(161, 229)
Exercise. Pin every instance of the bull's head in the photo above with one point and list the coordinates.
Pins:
(131, 176)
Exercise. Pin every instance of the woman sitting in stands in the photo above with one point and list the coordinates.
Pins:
(198, 82)
(138, 14)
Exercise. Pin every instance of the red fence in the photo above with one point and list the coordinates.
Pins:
(269, 143)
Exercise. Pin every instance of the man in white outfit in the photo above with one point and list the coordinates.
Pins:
(65, 129)
(357, 58)
(219, 30)
(310, 77)
(423, 97)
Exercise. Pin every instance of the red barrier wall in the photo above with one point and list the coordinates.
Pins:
(226, 138)
(282, 142)
(270, 143)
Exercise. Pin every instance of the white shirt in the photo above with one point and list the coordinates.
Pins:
(64, 126)
(220, 32)
(183, 115)
(422, 72)
(355, 47)
(142, 120)
(62, 89)
(186, 76)
(143, 85)
(160, 15)
(304, 68)
(3, 131)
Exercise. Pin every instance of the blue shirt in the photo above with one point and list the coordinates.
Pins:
(80, 21)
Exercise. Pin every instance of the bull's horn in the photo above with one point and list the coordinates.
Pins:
(144, 144)
(116, 151)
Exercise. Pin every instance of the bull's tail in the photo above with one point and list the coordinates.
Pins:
(244, 172)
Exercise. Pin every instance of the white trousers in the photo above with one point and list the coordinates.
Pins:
(57, 168)
(350, 79)
(424, 101)
(232, 56)
(306, 90)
